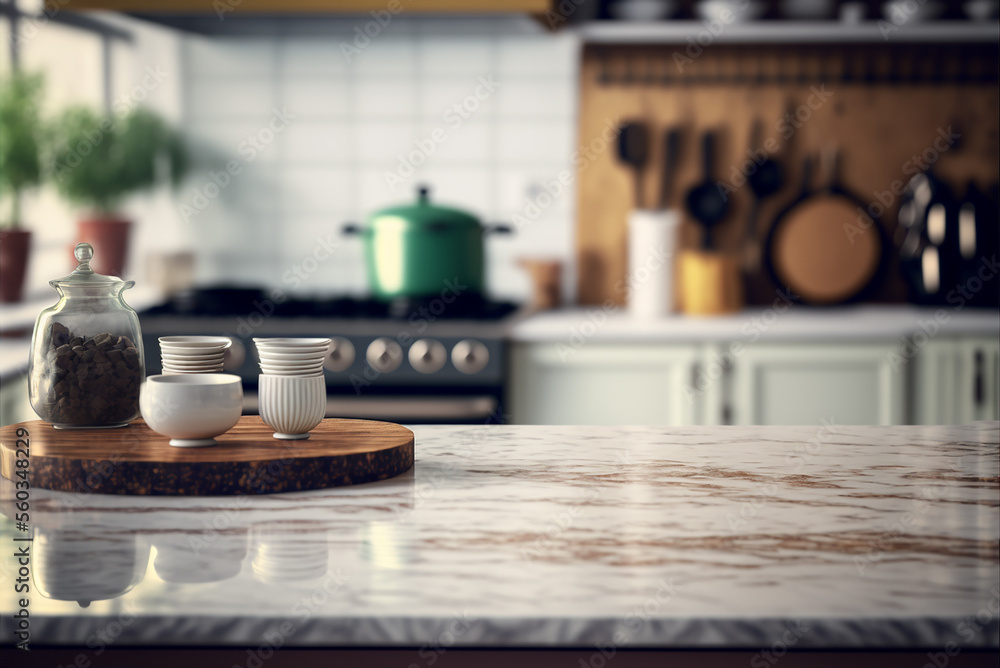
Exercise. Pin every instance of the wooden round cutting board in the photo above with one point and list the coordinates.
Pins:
(247, 459)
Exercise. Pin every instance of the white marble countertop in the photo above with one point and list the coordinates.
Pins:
(830, 537)
(793, 323)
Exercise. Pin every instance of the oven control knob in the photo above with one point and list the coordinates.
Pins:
(341, 355)
(470, 356)
(384, 355)
(428, 355)
(234, 356)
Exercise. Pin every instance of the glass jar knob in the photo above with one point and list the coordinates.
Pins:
(84, 253)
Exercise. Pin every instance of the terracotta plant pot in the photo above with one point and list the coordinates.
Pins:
(14, 247)
(109, 237)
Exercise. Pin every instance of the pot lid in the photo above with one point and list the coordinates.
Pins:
(424, 213)
(83, 275)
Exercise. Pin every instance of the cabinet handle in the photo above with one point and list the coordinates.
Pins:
(727, 410)
(978, 389)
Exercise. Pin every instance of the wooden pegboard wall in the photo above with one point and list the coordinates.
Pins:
(886, 104)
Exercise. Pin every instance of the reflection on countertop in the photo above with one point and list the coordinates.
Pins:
(554, 536)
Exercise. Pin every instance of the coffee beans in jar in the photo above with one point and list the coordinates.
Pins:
(89, 381)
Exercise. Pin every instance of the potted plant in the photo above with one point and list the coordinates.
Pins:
(20, 168)
(98, 160)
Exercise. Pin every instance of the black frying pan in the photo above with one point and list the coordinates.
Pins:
(825, 247)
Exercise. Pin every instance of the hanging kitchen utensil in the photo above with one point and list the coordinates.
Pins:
(633, 150)
(671, 151)
(977, 241)
(928, 238)
(706, 202)
(423, 250)
(764, 182)
(825, 247)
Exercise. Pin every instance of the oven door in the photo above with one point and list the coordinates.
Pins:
(409, 409)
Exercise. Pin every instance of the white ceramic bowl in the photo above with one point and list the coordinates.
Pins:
(174, 357)
(292, 343)
(730, 11)
(290, 357)
(294, 365)
(291, 405)
(192, 409)
(192, 352)
(212, 361)
(317, 371)
(195, 341)
(299, 364)
(167, 371)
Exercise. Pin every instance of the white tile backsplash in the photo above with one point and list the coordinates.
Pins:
(541, 141)
(450, 57)
(318, 143)
(231, 58)
(320, 98)
(549, 98)
(352, 122)
(233, 98)
(311, 58)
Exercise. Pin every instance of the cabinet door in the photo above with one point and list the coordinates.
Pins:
(806, 384)
(603, 384)
(956, 381)
(979, 374)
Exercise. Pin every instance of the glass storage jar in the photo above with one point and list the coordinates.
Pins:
(86, 352)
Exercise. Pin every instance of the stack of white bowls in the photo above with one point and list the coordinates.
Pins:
(192, 354)
(292, 389)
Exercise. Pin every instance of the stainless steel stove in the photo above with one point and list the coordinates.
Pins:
(427, 361)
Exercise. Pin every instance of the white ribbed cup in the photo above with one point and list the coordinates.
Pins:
(291, 405)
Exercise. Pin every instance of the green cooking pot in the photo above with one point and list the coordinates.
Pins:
(423, 250)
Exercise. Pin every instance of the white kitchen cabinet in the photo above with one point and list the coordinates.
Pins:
(775, 384)
(957, 381)
(609, 384)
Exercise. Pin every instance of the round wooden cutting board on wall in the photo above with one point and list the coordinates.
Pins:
(822, 253)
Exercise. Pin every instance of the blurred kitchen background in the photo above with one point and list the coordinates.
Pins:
(867, 295)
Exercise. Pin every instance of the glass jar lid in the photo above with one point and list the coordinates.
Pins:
(83, 275)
